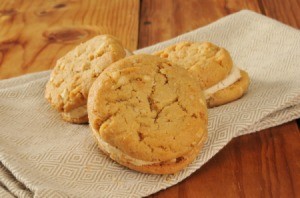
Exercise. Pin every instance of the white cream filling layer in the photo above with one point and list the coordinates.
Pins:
(128, 53)
(233, 76)
(118, 154)
(77, 113)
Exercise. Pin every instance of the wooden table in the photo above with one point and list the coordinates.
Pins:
(34, 34)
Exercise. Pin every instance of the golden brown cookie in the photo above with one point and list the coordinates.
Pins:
(146, 119)
(74, 73)
(207, 62)
(231, 93)
(212, 67)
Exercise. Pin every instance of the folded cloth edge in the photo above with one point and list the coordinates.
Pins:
(10, 183)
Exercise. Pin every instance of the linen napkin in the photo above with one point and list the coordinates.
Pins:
(43, 156)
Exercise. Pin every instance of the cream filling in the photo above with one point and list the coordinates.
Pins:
(128, 53)
(77, 113)
(118, 154)
(233, 76)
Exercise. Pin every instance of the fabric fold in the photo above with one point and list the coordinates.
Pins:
(11, 186)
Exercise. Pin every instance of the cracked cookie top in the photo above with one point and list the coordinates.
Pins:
(148, 108)
(208, 63)
(75, 72)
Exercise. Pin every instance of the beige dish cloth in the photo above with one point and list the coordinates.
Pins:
(42, 156)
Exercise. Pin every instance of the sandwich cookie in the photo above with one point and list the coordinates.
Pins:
(145, 118)
(74, 73)
(212, 67)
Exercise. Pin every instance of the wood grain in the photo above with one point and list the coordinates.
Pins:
(257, 165)
(263, 164)
(162, 20)
(34, 34)
(284, 11)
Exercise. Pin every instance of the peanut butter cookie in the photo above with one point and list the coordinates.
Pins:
(213, 69)
(148, 114)
(74, 73)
